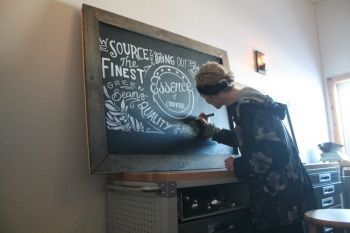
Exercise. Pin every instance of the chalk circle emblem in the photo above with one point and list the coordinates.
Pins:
(172, 91)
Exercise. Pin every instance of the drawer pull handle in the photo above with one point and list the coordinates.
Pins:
(328, 189)
(324, 177)
(327, 202)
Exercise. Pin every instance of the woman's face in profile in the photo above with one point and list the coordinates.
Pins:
(214, 100)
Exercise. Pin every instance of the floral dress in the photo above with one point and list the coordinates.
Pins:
(280, 189)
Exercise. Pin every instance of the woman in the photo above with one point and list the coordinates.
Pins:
(280, 190)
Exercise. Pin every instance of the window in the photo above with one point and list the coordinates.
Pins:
(339, 88)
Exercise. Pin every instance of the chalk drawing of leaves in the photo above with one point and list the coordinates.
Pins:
(112, 118)
(136, 125)
(106, 92)
(110, 106)
(123, 106)
(118, 118)
(133, 123)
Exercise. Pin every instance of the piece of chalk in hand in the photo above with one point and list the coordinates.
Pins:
(209, 115)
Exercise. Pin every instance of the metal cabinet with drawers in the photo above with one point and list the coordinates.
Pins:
(345, 168)
(327, 184)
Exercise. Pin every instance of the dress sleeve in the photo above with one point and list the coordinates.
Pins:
(226, 137)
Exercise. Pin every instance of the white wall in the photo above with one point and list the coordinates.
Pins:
(45, 186)
(333, 22)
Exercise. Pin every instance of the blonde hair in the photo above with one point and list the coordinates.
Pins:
(212, 73)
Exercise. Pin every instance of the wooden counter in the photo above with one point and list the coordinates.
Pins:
(173, 175)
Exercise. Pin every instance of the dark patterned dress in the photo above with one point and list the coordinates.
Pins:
(280, 189)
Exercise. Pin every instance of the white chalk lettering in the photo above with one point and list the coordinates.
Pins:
(163, 58)
(104, 66)
(181, 62)
(175, 105)
(148, 113)
(119, 48)
(112, 70)
(117, 95)
(129, 63)
(170, 88)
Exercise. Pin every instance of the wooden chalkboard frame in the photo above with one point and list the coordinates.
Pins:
(100, 160)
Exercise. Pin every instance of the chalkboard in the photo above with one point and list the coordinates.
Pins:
(141, 97)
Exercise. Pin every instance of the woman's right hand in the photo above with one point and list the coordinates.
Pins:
(209, 129)
(229, 163)
(203, 118)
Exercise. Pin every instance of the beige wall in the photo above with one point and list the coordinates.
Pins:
(45, 185)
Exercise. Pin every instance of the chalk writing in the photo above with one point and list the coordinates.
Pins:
(146, 90)
(172, 91)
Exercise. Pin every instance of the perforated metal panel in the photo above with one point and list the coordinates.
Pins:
(133, 212)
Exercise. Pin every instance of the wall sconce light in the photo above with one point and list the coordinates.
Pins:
(260, 64)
